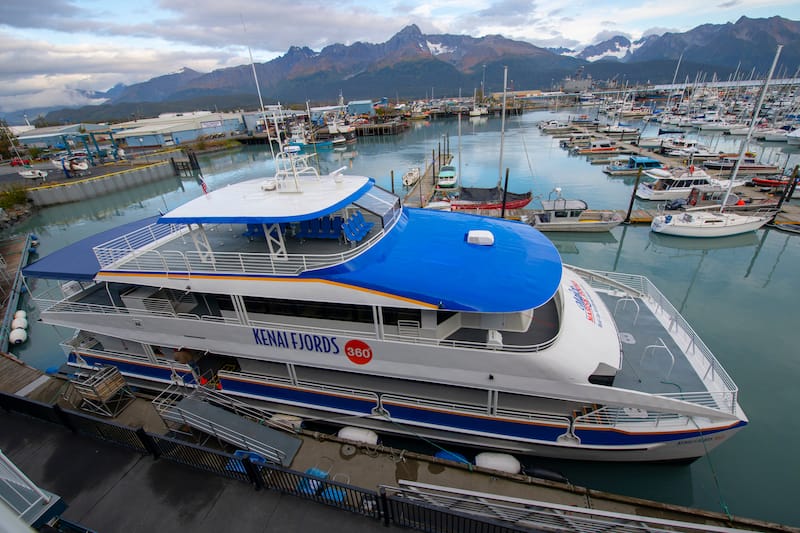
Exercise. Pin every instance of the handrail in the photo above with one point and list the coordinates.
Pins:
(651, 295)
(136, 252)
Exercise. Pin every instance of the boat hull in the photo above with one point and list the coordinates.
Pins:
(479, 431)
(687, 225)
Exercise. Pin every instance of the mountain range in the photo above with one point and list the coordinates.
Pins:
(415, 65)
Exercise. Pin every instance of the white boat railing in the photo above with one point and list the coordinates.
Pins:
(21, 494)
(310, 386)
(714, 376)
(137, 251)
(610, 416)
(483, 346)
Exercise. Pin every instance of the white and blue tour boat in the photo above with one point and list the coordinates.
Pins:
(322, 297)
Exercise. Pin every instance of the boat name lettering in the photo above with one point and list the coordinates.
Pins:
(584, 301)
(296, 341)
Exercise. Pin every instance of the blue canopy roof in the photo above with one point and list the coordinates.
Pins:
(77, 261)
(427, 258)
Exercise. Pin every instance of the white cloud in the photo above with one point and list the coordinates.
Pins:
(50, 48)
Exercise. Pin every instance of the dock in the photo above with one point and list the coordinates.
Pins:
(420, 194)
(363, 467)
(14, 254)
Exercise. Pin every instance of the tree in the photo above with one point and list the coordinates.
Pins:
(6, 151)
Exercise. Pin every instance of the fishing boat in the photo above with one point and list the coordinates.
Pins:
(562, 214)
(633, 165)
(320, 297)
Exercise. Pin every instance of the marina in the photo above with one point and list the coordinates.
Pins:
(600, 193)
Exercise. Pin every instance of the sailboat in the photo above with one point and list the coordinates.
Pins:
(699, 223)
(492, 197)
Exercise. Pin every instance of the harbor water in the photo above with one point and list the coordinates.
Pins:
(740, 293)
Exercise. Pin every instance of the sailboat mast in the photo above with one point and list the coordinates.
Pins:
(502, 127)
(261, 103)
(753, 122)
(460, 177)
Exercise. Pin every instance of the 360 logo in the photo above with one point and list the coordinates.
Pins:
(358, 352)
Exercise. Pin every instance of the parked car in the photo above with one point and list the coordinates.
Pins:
(19, 162)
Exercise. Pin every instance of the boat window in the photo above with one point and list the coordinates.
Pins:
(561, 214)
(380, 202)
(575, 213)
(296, 308)
(392, 315)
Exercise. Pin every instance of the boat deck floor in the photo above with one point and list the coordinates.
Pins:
(655, 371)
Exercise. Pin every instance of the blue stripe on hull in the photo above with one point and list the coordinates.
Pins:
(147, 371)
(501, 428)
(287, 394)
(611, 437)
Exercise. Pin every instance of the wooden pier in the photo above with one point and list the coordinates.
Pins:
(420, 194)
(383, 128)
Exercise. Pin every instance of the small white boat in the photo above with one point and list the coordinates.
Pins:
(561, 214)
(411, 177)
(33, 174)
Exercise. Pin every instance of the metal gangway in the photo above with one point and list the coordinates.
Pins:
(229, 420)
(29, 504)
(538, 515)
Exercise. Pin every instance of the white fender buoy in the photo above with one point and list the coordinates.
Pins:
(366, 436)
(19, 323)
(501, 462)
(21, 314)
(18, 336)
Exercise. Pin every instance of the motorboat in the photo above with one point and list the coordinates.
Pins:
(411, 177)
(601, 146)
(677, 183)
(447, 177)
(633, 165)
(33, 174)
(748, 164)
(562, 214)
(321, 297)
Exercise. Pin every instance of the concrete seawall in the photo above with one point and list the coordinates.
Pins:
(92, 187)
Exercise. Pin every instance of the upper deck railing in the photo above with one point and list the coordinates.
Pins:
(143, 251)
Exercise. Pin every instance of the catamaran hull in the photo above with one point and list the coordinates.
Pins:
(405, 419)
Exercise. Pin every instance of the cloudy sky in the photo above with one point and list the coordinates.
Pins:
(50, 49)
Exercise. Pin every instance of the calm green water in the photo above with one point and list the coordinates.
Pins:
(739, 293)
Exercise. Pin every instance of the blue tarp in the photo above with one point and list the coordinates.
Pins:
(77, 261)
